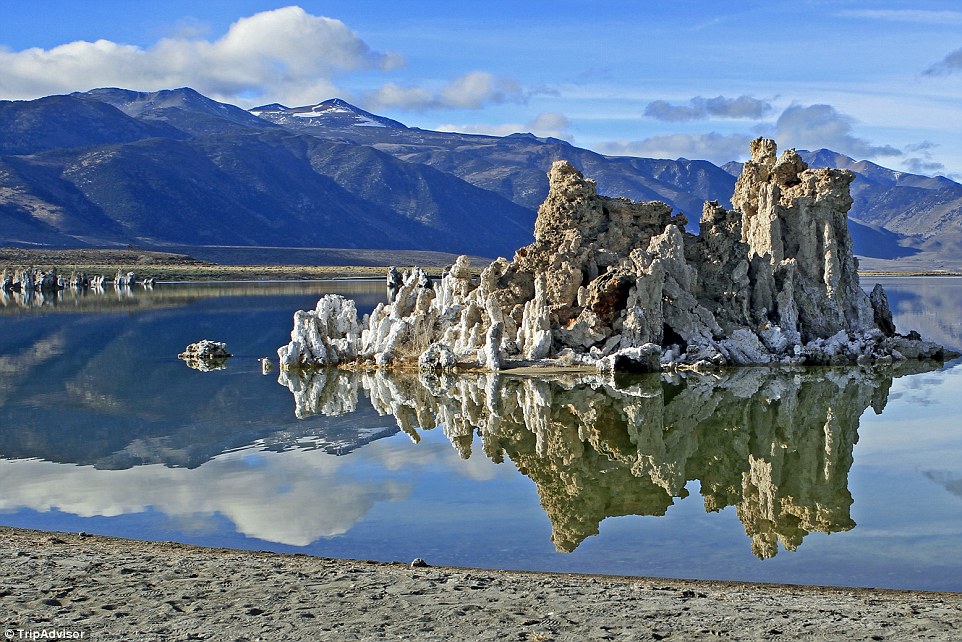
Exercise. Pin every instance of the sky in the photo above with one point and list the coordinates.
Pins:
(873, 79)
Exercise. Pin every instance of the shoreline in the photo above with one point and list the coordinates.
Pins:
(111, 588)
(171, 267)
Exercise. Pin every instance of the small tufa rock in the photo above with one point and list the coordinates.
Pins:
(881, 311)
(418, 563)
(267, 366)
(438, 356)
(206, 355)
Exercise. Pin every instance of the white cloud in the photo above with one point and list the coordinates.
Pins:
(923, 162)
(715, 147)
(700, 108)
(472, 90)
(394, 95)
(918, 165)
(817, 126)
(545, 124)
(284, 55)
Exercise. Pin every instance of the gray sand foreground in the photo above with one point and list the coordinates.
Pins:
(113, 589)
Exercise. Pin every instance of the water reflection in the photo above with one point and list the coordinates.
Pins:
(264, 495)
(126, 298)
(931, 306)
(103, 429)
(775, 445)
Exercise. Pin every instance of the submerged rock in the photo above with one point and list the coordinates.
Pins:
(613, 284)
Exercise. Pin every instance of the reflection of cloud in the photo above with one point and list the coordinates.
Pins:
(436, 452)
(292, 497)
(922, 390)
(951, 483)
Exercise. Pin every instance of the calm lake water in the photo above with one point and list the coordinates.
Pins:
(820, 476)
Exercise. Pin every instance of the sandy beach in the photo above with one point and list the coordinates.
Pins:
(112, 589)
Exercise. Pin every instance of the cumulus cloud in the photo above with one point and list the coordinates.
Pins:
(799, 126)
(818, 126)
(715, 147)
(472, 90)
(922, 162)
(700, 108)
(284, 54)
(925, 166)
(952, 63)
(545, 124)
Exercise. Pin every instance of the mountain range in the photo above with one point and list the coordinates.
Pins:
(174, 168)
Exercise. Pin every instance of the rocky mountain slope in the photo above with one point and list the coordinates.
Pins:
(175, 168)
(513, 166)
(113, 166)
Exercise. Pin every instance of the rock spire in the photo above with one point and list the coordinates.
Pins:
(617, 285)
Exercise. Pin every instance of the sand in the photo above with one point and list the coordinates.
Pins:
(113, 589)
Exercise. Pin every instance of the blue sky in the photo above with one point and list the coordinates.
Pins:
(877, 80)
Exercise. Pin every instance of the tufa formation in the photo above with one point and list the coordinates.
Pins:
(617, 285)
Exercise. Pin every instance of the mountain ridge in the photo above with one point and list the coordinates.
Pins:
(174, 167)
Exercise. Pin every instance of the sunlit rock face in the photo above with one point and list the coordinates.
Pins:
(616, 285)
(774, 443)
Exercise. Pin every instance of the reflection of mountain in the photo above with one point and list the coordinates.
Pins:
(776, 445)
(107, 389)
(931, 306)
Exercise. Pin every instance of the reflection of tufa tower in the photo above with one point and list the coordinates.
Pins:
(778, 448)
(775, 444)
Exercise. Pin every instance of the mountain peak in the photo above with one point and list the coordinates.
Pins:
(270, 107)
(331, 113)
(338, 102)
(180, 107)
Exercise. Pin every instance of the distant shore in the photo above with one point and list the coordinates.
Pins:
(114, 589)
(878, 274)
(171, 266)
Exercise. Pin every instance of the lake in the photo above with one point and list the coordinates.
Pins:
(813, 476)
